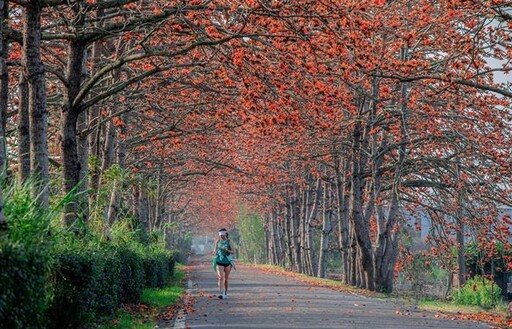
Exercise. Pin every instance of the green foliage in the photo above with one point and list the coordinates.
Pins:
(478, 291)
(111, 177)
(22, 286)
(132, 277)
(127, 321)
(50, 277)
(27, 223)
(94, 278)
(24, 257)
(162, 297)
(114, 172)
(157, 267)
(74, 289)
(252, 237)
(93, 163)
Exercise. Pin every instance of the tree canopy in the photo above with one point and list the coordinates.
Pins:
(340, 117)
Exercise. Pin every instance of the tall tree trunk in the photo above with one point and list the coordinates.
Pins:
(459, 235)
(83, 160)
(352, 261)
(278, 241)
(303, 231)
(114, 204)
(326, 231)
(358, 219)
(4, 92)
(115, 199)
(268, 240)
(152, 212)
(135, 196)
(296, 240)
(107, 161)
(288, 231)
(312, 254)
(71, 164)
(34, 71)
(108, 153)
(386, 250)
(94, 116)
(23, 131)
(143, 210)
(342, 195)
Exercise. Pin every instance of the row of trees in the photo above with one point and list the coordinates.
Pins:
(78, 99)
(391, 109)
(325, 116)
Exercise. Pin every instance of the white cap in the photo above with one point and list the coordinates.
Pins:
(222, 232)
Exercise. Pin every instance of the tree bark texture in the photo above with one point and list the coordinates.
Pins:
(38, 111)
(23, 131)
(4, 92)
(69, 116)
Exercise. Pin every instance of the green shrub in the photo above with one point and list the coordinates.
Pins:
(23, 261)
(131, 276)
(72, 283)
(157, 269)
(108, 284)
(22, 286)
(85, 283)
(478, 291)
(95, 281)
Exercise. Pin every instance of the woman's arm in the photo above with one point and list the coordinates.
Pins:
(215, 248)
(231, 248)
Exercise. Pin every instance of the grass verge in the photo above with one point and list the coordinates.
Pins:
(497, 316)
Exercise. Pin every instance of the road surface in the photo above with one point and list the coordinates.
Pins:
(257, 299)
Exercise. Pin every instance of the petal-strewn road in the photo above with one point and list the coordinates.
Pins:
(262, 300)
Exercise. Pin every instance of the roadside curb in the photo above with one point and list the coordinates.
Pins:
(181, 317)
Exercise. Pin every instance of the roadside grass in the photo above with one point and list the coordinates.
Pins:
(160, 298)
(127, 321)
(497, 316)
(441, 306)
(154, 302)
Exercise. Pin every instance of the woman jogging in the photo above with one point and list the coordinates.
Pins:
(223, 261)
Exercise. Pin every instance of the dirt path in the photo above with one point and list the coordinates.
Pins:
(261, 300)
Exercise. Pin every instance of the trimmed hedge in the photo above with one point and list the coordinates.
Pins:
(80, 285)
(156, 268)
(22, 286)
(94, 283)
(84, 284)
(132, 276)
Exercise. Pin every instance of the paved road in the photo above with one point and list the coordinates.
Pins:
(262, 300)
